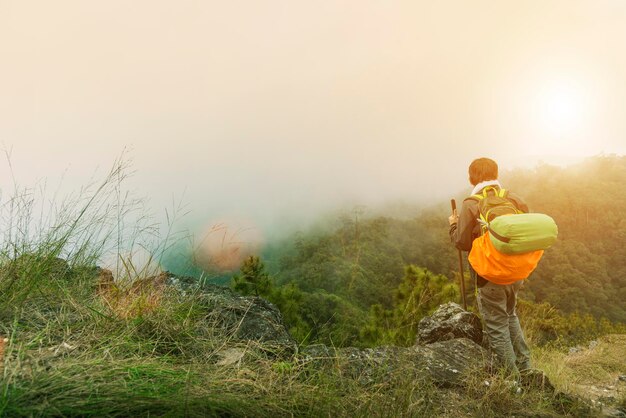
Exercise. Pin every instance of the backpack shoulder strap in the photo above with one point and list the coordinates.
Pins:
(489, 191)
(485, 192)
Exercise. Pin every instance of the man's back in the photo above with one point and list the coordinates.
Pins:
(467, 228)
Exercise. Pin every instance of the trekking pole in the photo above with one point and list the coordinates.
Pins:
(462, 279)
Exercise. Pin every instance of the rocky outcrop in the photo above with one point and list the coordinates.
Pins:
(446, 352)
(247, 318)
(243, 317)
(445, 363)
(447, 348)
(448, 362)
(232, 316)
(448, 322)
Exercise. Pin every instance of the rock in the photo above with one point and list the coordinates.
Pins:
(252, 318)
(574, 350)
(58, 267)
(445, 363)
(317, 351)
(244, 318)
(372, 365)
(230, 356)
(448, 361)
(450, 321)
(316, 355)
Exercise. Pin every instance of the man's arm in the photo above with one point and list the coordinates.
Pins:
(461, 232)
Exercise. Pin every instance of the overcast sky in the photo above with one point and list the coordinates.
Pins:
(267, 109)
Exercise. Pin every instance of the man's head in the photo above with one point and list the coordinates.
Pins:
(482, 169)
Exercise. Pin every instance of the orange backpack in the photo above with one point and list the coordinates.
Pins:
(484, 258)
(501, 268)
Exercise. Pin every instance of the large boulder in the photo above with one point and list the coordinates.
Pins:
(445, 363)
(448, 362)
(250, 318)
(244, 318)
(448, 322)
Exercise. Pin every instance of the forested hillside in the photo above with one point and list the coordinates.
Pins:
(361, 280)
(586, 270)
(352, 279)
(364, 269)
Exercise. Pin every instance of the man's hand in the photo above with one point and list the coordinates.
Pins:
(454, 218)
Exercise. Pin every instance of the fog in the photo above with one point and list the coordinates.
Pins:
(279, 111)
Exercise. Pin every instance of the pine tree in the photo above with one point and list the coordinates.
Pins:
(253, 279)
(419, 294)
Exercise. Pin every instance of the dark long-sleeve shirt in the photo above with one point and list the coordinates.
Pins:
(467, 229)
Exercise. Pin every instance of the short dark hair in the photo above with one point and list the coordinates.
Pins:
(482, 169)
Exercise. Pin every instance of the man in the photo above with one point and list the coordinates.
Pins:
(496, 302)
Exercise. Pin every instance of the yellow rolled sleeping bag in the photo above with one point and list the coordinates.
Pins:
(522, 233)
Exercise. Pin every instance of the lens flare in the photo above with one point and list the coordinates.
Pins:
(224, 245)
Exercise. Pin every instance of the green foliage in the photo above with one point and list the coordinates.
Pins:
(162, 364)
(544, 324)
(288, 299)
(586, 270)
(418, 295)
(362, 259)
(331, 319)
(344, 272)
(253, 279)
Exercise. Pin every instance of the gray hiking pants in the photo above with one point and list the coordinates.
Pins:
(506, 339)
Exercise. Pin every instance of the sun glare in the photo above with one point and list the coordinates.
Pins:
(560, 107)
(561, 111)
